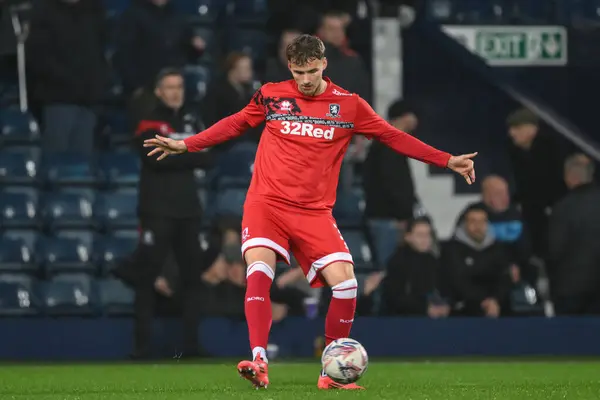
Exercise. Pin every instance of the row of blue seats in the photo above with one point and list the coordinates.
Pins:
(85, 251)
(68, 294)
(208, 11)
(28, 208)
(567, 12)
(22, 207)
(33, 253)
(26, 166)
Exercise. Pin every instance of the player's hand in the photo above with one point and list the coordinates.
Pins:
(165, 146)
(464, 166)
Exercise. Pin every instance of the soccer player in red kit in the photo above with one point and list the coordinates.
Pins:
(309, 124)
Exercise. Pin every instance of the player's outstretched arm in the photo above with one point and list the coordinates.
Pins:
(370, 124)
(226, 129)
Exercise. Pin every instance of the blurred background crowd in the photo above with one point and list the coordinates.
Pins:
(91, 226)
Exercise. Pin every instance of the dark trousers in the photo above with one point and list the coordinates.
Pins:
(159, 238)
(68, 127)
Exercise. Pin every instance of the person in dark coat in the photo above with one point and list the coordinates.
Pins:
(410, 284)
(344, 66)
(170, 212)
(388, 181)
(574, 262)
(68, 71)
(475, 268)
(537, 165)
(277, 67)
(229, 94)
(506, 223)
(152, 36)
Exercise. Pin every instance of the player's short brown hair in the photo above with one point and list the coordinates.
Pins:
(304, 49)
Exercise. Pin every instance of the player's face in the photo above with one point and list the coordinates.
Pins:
(170, 91)
(309, 77)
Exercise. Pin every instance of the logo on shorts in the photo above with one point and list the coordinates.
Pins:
(245, 235)
(334, 111)
(256, 298)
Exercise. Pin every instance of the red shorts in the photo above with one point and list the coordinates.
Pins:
(313, 237)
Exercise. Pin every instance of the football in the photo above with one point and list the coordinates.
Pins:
(345, 360)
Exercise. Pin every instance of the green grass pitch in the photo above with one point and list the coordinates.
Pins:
(519, 380)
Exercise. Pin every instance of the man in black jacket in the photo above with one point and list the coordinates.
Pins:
(388, 181)
(169, 210)
(574, 262)
(537, 165)
(68, 71)
(475, 267)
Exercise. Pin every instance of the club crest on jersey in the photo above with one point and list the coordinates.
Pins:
(334, 111)
(285, 106)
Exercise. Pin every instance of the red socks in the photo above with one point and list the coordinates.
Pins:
(259, 278)
(340, 315)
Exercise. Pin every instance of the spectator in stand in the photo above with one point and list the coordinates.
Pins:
(410, 284)
(344, 66)
(574, 262)
(277, 67)
(68, 71)
(225, 280)
(388, 182)
(152, 36)
(229, 94)
(169, 210)
(506, 224)
(475, 268)
(537, 166)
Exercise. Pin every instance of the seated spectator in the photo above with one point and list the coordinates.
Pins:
(229, 94)
(475, 267)
(506, 224)
(277, 67)
(574, 262)
(409, 287)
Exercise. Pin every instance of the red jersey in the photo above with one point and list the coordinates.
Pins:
(302, 147)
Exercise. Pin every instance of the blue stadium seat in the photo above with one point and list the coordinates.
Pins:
(18, 208)
(201, 11)
(17, 254)
(385, 238)
(68, 209)
(17, 296)
(111, 249)
(117, 210)
(359, 248)
(252, 12)
(196, 81)
(230, 202)
(348, 209)
(19, 166)
(68, 169)
(234, 168)
(115, 297)
(467, 11)
(249, 41)
(17, 127)
(65, 253)
(69, 294)
(120, 169)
